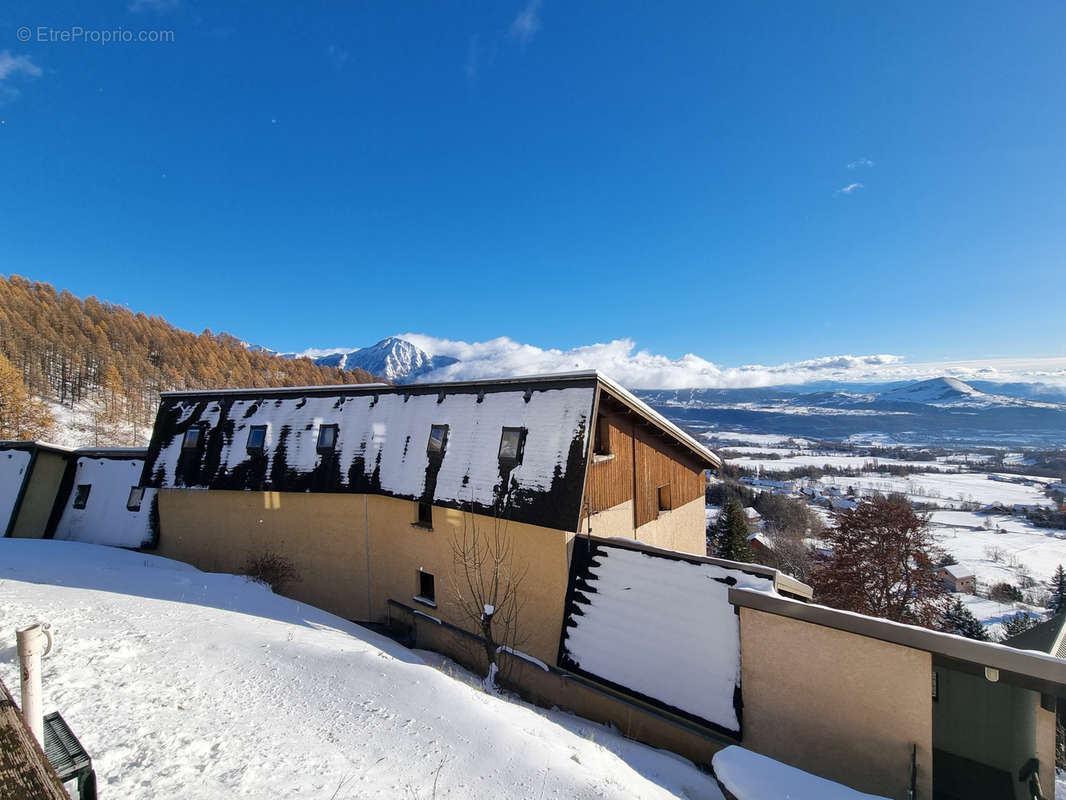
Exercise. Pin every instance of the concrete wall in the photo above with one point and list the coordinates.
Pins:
(992, 723)
(553, 689)
(354, 552)
(683, 529)
(41, 489)
(842, 706)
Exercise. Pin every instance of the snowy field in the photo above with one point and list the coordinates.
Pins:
(188, 684)
(945, 489)
(796, 460)
(1003, 552)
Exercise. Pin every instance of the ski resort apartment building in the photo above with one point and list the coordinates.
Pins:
(365, 489)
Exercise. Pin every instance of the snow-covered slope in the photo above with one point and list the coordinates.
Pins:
(935, 391)
(395, 359)
(188, 684)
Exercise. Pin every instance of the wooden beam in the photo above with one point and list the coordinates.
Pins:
(25, 773)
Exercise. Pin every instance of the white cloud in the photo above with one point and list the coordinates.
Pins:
(527, 23)
(861, 162)
(851, 187)
(14, 65)
(640, 369)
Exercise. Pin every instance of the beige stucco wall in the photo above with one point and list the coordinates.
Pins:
(43, 484)
(355, 552)
(683, 529)
(842, 706)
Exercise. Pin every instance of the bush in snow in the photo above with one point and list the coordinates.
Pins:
(1005, 593)
(271, 569)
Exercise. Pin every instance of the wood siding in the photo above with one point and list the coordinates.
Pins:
(641, 462)
(610, 482)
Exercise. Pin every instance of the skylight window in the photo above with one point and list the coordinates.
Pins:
(81, 495)
(136, 497)
(438, 440)
(327, 438)
(257, 439)
(512, 445)
(192, 439)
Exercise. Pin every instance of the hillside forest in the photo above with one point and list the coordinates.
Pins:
(87, 372)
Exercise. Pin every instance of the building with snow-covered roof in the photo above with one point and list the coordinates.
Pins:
(101, 500)
(366, 488)
(88, 494)
(30, 478)
(957, 578)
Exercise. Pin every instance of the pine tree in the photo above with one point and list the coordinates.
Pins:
(1019, 623)
(730, 534)
(22, 416)
(959, 620)
(1057, 601)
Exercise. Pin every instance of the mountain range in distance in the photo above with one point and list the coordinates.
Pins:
(941, 410)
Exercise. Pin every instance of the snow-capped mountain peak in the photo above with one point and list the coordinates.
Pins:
(392, 358)
(936, 391)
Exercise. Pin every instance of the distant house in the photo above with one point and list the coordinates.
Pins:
(957, 578)
(753, 517)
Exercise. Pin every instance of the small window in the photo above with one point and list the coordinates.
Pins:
(327, 438)
(81, 495)
(664, 498)
(192, 439)
(257, 435)
(133, 502)
(427, 592)
(602, 446)
(425, 515)
(512, 444)
(438, 440)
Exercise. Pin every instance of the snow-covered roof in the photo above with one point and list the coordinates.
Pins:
(658, 625)
(106, 516)
(615, 388)
(958, 571)
(382, 436)
(382, 439)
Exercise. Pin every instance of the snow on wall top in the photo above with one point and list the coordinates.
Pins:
(13, 464)
(659, 626)
(382, 440)
(106, 519)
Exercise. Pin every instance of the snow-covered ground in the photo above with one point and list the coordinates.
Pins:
(996, 553)
(188, 684)
(796, 460)
(946, 489)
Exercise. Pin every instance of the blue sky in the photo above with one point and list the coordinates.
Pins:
(558, 173)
